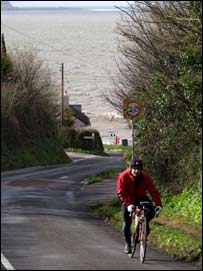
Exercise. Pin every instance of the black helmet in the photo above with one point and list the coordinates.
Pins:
(137, 163)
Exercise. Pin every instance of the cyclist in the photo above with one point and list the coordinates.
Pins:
(132, 186)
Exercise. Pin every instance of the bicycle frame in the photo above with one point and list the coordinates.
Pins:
(139, 230)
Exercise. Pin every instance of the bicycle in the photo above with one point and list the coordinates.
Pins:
(139, 235)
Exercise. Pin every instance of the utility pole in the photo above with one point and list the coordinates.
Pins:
(62, 93)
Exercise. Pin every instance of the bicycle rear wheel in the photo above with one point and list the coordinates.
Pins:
(143, 239)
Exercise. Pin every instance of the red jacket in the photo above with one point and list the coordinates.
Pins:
(126, 188)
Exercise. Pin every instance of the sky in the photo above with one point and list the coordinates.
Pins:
(67, 3)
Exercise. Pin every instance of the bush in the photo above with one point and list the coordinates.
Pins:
(90, 144)
(68, 137)
(76, 138)
(185, 206)
(6, 66)
(28, 114)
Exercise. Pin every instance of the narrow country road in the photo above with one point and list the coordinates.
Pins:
(46, 223)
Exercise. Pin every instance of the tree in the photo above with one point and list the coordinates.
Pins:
(68, 120)
(28, 99)
(160, 63)
(6, 64)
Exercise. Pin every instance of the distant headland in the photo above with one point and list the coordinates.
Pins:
(6, 5)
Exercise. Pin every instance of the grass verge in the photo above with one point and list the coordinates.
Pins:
(102, 175)
(116, 147)
(175, 242)
(45, 153)
(163, 237)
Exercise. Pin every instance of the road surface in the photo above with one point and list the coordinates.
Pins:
(46, 223)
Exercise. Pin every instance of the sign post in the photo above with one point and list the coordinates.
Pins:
(132, 110)
(133, 140)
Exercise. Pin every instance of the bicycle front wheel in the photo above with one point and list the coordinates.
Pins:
(143, 239)
(134, 242)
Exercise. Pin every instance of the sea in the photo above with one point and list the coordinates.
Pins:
(86, 42)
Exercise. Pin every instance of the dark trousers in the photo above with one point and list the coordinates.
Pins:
(127, 219)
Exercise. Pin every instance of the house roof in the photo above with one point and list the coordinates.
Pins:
(79, 115)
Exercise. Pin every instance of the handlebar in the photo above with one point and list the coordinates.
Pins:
(139, 209)
(142, 206)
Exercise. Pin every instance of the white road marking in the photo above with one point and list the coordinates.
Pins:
(6, 263)
(64, 177)
(75, 160)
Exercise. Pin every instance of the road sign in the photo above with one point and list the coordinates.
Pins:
(131, 108)
(88, 137)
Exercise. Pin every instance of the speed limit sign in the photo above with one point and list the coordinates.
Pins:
(131, 108)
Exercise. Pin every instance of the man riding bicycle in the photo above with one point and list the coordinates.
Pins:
(132, 186)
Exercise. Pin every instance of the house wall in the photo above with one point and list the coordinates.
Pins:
(66, 100)
(78, 123)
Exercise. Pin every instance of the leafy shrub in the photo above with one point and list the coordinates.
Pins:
(6, 66)
(68, 119)
(77, 138)
(90, 144)
(68, 137)
(186, 206)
